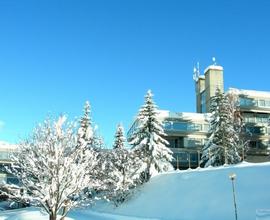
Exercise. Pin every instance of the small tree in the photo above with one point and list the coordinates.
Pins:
(51, 168)
(85, 131)
(222, 145)
(148, 142)
(119, 138)
(126, 168)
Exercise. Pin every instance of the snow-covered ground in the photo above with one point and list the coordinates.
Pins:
(204, 194)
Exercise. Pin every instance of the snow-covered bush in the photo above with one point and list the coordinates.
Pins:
(51, 167)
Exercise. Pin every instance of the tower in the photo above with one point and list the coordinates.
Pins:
(206, 86)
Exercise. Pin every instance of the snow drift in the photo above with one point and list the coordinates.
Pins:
(204, 194)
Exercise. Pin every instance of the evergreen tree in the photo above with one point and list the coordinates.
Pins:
(119, 142)
(222, 145)
(148, 142)
(85, 132)
(126, 166)
(239, 125)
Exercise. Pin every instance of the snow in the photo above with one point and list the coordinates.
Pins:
(35, 214)
(189, 116)
(204, 194)
(213, 67)
(7, 146)
(250, 93)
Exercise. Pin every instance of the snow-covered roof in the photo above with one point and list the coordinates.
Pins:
(213, 67)
(6, 145)
(186, 116)
(201, 76)
(251, 93)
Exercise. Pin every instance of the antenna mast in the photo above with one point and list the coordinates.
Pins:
(196, 72)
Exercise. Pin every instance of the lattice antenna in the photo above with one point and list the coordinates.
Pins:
(196, 72)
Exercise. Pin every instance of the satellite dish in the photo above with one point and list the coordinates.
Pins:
(214, 61)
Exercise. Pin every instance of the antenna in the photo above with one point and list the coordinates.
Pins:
(196, 72)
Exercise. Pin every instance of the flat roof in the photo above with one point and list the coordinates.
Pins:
(213, 67)
(5, 145)
(250, 93)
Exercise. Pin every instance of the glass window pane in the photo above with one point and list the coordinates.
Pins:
(261, 103)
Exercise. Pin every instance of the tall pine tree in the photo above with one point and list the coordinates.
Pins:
(223, 140)
(148, 142)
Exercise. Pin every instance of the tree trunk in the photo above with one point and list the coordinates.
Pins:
(52, 216)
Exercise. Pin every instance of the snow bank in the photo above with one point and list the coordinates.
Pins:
(204, 194)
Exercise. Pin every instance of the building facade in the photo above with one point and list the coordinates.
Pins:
(6, 150)
(187, 132)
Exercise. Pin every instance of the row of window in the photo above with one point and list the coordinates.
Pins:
(186, 157)
(185, 126)
(181, 142)
(5, 155)
(192, 142)
(254, 102)
(256, 118)
(260, 144)
(258, 130)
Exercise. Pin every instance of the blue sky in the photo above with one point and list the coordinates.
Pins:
(55, 55)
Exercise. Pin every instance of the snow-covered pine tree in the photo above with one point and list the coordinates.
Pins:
(126, 167)
(51, 167)
(221, 147)
(88, 132)
(239, 125)
(119, 138)
(85, 131)
(148, 142)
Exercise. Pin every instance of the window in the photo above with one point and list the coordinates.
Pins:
(246, 102)
(263, 145)
(167, 125)
(203, 102)
(206, 127)
(194, 157)
(193, 142)
(176, 143)
(262, 103)
(180, 126)
(4, 155)
(171, 143)
(255, 130)
(253, 144)
(194, 127)
(182, 156)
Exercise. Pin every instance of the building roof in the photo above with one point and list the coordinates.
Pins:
(5, 145)
(251, 93)
(213, 67)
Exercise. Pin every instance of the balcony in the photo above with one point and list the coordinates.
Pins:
(174, 126)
